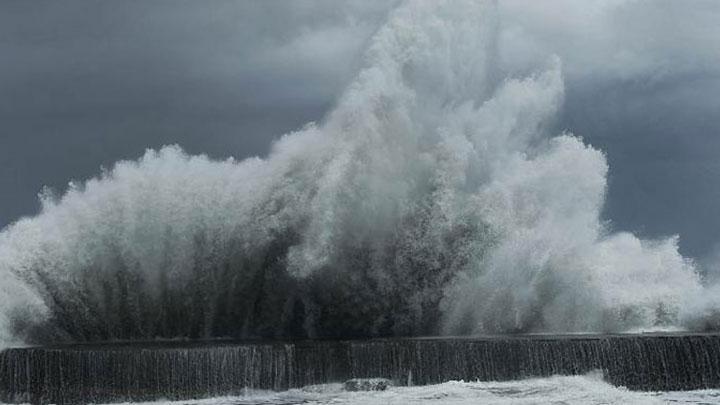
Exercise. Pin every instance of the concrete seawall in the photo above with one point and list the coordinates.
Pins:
(142, 371)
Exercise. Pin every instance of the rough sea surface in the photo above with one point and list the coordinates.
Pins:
(587, 389)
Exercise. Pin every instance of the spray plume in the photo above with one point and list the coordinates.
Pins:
(431, 199)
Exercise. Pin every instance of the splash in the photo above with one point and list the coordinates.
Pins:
(431, 199)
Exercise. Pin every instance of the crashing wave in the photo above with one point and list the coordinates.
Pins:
(431, 199)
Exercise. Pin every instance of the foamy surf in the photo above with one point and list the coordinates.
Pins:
(581, 390)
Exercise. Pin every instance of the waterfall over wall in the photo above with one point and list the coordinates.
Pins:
(191, 370)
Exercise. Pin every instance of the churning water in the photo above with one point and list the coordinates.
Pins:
(575, 390)
(431, 199)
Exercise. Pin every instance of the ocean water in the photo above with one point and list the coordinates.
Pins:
(585, 389)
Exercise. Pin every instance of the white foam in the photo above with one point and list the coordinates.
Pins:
(428, 169)
(588, 389)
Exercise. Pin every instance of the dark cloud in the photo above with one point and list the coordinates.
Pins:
(642, 83)
(662, 143)
(85, 83)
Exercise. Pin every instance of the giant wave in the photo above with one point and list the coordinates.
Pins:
(432, 199)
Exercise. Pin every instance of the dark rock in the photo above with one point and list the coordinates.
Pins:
(367, 384)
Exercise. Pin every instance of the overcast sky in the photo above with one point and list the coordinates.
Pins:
(86, 83)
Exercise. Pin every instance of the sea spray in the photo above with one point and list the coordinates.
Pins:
(431, 199)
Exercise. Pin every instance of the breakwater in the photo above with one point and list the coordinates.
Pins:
(142, 371)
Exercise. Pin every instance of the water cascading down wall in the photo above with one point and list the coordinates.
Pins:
(87, 373)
